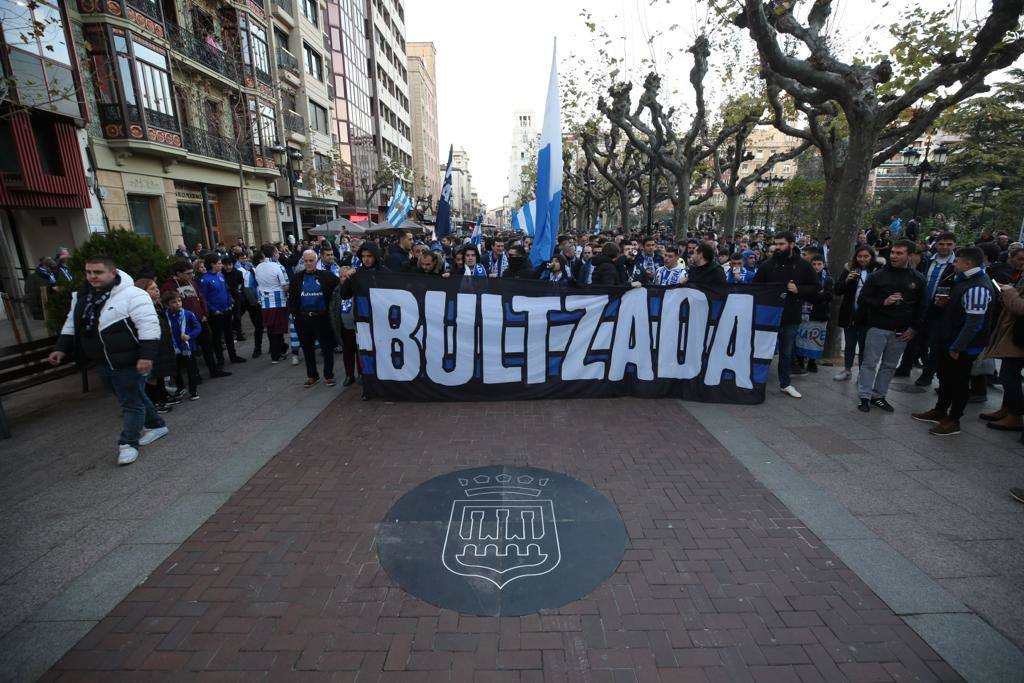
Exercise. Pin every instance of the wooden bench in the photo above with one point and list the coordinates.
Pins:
(23, 366)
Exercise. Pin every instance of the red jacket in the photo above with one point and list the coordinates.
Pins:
(191, 298)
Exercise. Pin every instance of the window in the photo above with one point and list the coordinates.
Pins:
(318, 119)
(310, 11)
(141, 210)
(314, 62)
(39, 56)
(152, 87)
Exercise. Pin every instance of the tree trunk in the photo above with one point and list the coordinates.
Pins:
(681, 210)
(731, 214)
(843, 208)
(624, 210)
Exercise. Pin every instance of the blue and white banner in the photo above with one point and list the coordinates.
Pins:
(422, 338)
(522, 220)
(597, 226)
(398, 210)
(549, 173)
(443, 222)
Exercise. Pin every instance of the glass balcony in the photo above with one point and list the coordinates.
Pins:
(287, 61)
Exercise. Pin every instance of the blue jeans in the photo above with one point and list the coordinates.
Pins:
(137, 411)
(787, 347)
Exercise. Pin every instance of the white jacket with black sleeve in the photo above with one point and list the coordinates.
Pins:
(129, 328)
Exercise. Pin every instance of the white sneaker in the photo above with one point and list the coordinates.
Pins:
(150, 435)
(127, 454)
(295, 360)
(842, 376)
(791, 390)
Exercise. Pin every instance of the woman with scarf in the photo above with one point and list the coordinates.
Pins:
(164, 366)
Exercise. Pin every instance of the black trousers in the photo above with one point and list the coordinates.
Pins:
(187, 364)
(313, 329)
(220, 326)
(954, 384)
(256, 318)
(348, 351)
(205, 342)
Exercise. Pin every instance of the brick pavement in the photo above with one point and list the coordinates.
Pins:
(719, 581)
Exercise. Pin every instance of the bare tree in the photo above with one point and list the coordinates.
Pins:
(855, 117)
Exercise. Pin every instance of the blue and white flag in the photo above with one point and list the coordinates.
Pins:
(522, 220)
(443, 222)
(398, 210)
(549, 173)
(478, 231)
(597, 226)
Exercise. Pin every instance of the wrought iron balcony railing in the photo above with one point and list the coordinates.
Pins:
(205, 143)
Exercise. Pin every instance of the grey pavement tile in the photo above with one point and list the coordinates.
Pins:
(896, 580)
(176, 522)
(990, 596)
(977, 651)
(105, 583)
(29, 650)
(938, 556)
(972, 497)
(1006, 556)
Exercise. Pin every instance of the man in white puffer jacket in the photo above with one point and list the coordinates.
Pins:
(115, 324)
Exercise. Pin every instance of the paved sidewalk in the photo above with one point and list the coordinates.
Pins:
(940, 502)
(720, 582)
(77, 532)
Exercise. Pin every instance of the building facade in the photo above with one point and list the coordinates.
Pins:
(45, 196)
(390, 78)
(521, 151)
(422, 59)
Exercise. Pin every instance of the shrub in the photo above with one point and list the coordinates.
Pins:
(135, 254)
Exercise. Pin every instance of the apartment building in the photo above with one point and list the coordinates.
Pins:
(390, 77)
(422, 58)
(45, 197)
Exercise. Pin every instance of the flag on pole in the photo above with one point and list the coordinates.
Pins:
(398, 210)
(478, 231)
(522, 220)
(443, 222)
(549, 173)
(597, 226)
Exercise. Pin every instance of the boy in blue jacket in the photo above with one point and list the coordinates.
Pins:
(220, 306)
(185, 328)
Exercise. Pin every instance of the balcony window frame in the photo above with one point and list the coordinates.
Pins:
(312, 108)
(47, 59)
(310, 7)
(255, 48)
(310, 58)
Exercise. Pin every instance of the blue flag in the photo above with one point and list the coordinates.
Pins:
(478, 231)
(597, 226)
(398, 210)
(443, 223)
(522, 220)
(549, 173)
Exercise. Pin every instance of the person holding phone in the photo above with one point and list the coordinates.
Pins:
(893, 301)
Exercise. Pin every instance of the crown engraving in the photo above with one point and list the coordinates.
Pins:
(523, 485)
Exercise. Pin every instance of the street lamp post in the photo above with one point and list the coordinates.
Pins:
(910, 156)
(286, 155)
(937, 182)
(767, 183)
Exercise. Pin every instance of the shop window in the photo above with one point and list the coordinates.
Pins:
(142, 212)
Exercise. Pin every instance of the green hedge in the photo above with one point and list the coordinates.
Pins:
(135, 254)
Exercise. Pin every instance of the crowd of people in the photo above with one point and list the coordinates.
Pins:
(924, 303)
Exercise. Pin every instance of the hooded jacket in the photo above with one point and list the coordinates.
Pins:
(128, 329)
(345, 288)
(606, 271)
(519, 268)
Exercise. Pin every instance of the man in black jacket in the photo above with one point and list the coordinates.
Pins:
(893, 300)
(309, 295)
(704, 267)
(786, 268)
(938, 273)
(963, 336)
(400, 253)
(519, 266)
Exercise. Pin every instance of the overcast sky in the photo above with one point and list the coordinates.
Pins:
(493, 57)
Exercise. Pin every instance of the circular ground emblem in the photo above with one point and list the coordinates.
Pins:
(501, 540)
